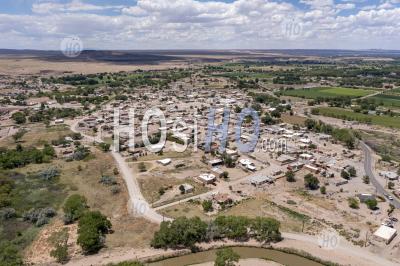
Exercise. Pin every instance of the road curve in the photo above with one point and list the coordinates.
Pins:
(369, 171)
(137, 205)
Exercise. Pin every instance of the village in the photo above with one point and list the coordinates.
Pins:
(291, 165)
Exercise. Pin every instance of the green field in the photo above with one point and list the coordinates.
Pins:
(345, 114)
(327, 92)
(387, 100)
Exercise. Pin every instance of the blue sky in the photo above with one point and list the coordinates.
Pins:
(201, 24)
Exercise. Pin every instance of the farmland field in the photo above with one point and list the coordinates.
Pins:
(349, 115)
(387, 100)
(328, 92)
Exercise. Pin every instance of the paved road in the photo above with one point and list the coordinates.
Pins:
(369, 171)
(137, 203)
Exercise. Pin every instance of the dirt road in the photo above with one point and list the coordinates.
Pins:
(137, 205)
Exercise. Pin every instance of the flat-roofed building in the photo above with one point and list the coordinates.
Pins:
(260, 180)
(385, 233)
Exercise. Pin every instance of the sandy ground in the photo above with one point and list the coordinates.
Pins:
(35, 66)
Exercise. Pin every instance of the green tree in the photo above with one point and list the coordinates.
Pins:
(344, 174)
(371, 203)
(207, 206)
(390, 185)
(19, 117)
(323, 190)
(311, 182)
(91, 230)
(224, 175)
(266, 229)
(233, 227)
(181, 232)
(290, 177)
(105, 147)
(226, 257)
(366, 179)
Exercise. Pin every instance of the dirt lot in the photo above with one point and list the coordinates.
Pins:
(35, 66)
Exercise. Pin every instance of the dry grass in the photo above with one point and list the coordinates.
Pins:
(37, 135)
(293, 119)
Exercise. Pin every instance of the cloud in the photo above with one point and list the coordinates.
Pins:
(155, 24)
(74, 6)
(345, 6)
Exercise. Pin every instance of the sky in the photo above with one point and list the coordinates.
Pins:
(201, 24)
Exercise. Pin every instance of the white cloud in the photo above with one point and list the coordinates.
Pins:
(74, 6)
(193, 24)
(345, 6)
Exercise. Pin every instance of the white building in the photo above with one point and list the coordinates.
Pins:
(165, 161)
(207, 178)
(260, 180)
(385, 233)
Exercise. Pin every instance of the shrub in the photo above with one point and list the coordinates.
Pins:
(49, 173)
(105, 147)
(353, 203)
(9, 254)
(311, 181)
(39, 217)
(115, 189)
(19, 117)
(290, 176)
(60, 253)
(323, 190)
(108, 180)
(371, 203)
(207, 206)
(74, 208)
(92, 227)
(142, 167)
(7, 213)
(226, 257)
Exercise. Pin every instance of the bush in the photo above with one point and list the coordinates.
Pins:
(92, 227)
(371, 203)
(353, 203)
(9, 254)
(311, 181)
(142, 167)
(60, 253)
(39, 217)
(207, 206)
(323, 190)
(7, 213)
(49, 173)
(105, 147)
(74, 208)
(290, 176)
(108, 180)
(115, 189)
(226, 257)
(19, 117)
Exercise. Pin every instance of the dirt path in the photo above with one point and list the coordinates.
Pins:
(137, 204)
